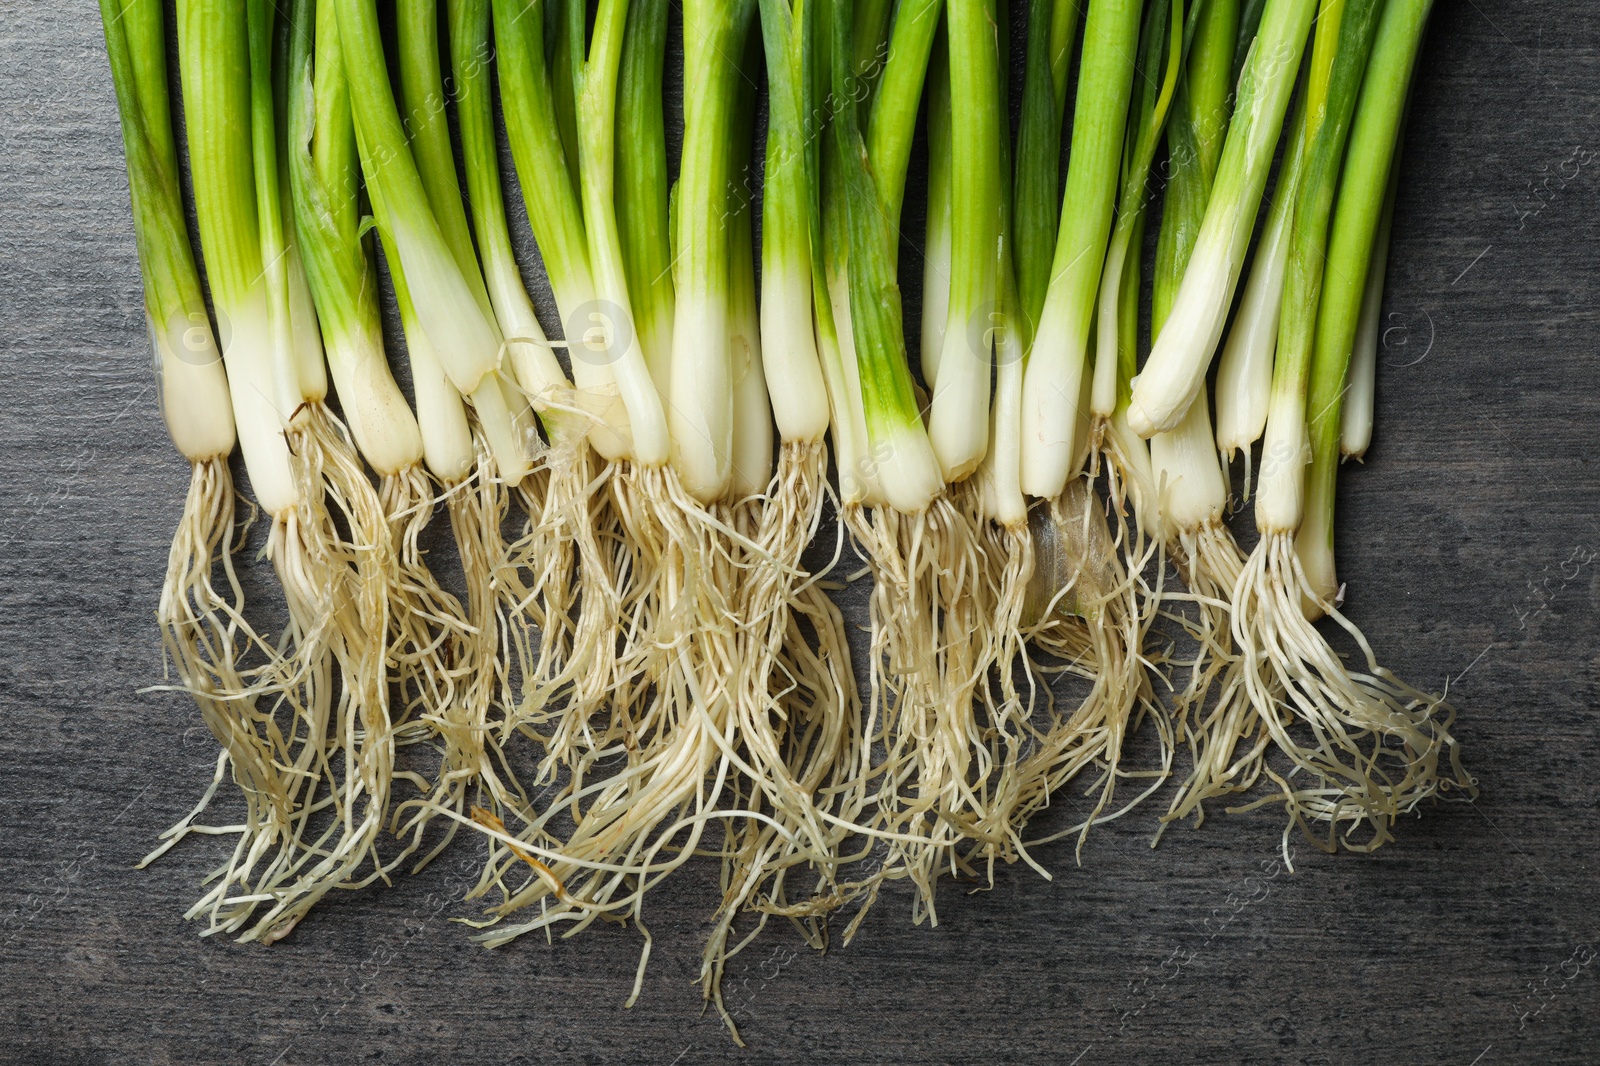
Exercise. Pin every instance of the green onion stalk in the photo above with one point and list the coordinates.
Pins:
(644, 186)
(892, 104)
(1176, 368)
(639, 825)
(1054, 375)
(958, 419)
(1029, 240)
(538, 585)
(214, 68)
(204, 630)
(427, 627)
(1244, 369)
(648, 447)
(858, 455)
(1406, 731)
(797, 714)
(1214, 708)
(702, 390)
(1376, 742)
(462, 330)
(931, 800)
(1355, 423)
(500, 407)
(286, 857)
(473, 771)
(829, 225)
(1163, 40)
(1090, 556)
(536, 99)
(535, 370)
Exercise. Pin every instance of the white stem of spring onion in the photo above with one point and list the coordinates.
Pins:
(958, 424)
(597, 120)
(1176, 368)
(214, 66)
(853, 453)
(1244, 374)
(701, 412)
(441, 413)
(752, 412)
(1103, 389)
(1002, 465)
(466, 342)
(1053, 380)
(789, 349)
(1187, 472)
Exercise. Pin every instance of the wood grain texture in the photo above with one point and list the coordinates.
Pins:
(1469, 541)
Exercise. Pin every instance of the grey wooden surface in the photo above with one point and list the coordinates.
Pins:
(1469, 541)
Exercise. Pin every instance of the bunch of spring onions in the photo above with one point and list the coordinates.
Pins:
(633, 658)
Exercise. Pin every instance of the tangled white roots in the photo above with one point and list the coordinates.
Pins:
(559, 595)
(470, 719)
(936, 797)
(677, 669)
(796, 721)
(317, 761)
(1364, 747)
(1216, 713)
(428, 626)
(1097, 574)
(208, 643)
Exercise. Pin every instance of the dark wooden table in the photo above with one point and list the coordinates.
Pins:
(1469, 542)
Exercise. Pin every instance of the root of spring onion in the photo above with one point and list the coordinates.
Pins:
(1113, 599)
(428, 625)
(564, 571)
(1365, 747)
(939, 798)
(473, 770)
(797, 729)
(207, 642)
(1215, 711)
